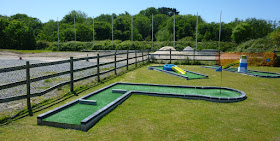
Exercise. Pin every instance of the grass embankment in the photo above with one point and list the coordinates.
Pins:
(156, 118)
(25, 51)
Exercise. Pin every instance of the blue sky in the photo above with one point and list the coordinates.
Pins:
(208, 9)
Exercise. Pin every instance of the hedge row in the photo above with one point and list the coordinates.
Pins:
(124, 45)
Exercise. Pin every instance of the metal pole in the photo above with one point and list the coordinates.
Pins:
(196, 35)
(112, 33)
(220, 39)
(57, 34)
(196, 29)
(75, 34)
(28, 89)
(152, 31)
(132, 31)
(174, 32)
(93, 33)
(131, 28)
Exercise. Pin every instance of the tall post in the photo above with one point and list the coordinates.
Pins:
(170, 57)
(98, 71)
(93, 33)
(196, 35)
(71, 74)
(220, 38)
(174, 32)
(28, 89)
(132, 32)
(131, 28)
(112, 33)
(127, 60)
(75, 33)
(152, 31)
(57, 34)
(115, 63)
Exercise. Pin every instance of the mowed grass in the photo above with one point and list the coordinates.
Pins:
(156, 118)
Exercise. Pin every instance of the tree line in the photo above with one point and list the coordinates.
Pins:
(23, 32)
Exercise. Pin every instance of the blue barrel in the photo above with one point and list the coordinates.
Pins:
(168, 67)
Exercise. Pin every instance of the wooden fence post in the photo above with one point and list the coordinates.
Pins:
(142, 57)
(115, 62)
(71, 75)
(127, 60)
(28, 89)
(170, 57)
(98, 74)
(135, 59)
(193, 56)
(148, 56)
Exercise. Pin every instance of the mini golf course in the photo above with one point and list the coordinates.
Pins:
(250, 72)
(188, 76)
(85, 112)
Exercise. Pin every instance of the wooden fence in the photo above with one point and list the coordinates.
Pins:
(28, 80)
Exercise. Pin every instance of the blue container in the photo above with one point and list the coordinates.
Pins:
(168, 67)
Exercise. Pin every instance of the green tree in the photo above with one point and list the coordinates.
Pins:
(102, 30)
(47, 32)
(3, 39)
(163, 35)
(160, 21)
(241, 32)
(168, 11)
(80, 17)
(259, 27)
(122, 26)
(143, 25)
(33, 23)
(149, 11)
(106, 17)
(84, 33)
(19, 36)
(182, 27)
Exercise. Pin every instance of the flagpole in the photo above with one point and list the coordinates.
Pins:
(112, 33)
(152, 31)
(174, 32)
(57, 34)
(220, 38)
(221, 83)
(93, 33)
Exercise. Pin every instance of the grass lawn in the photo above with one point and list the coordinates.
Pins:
(25, 51)
(156, 118)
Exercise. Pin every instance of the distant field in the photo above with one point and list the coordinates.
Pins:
(25, 51)
(156, 118)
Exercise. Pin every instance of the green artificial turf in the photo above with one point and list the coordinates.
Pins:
(249, 71)
(188, 74)
(76, 113)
